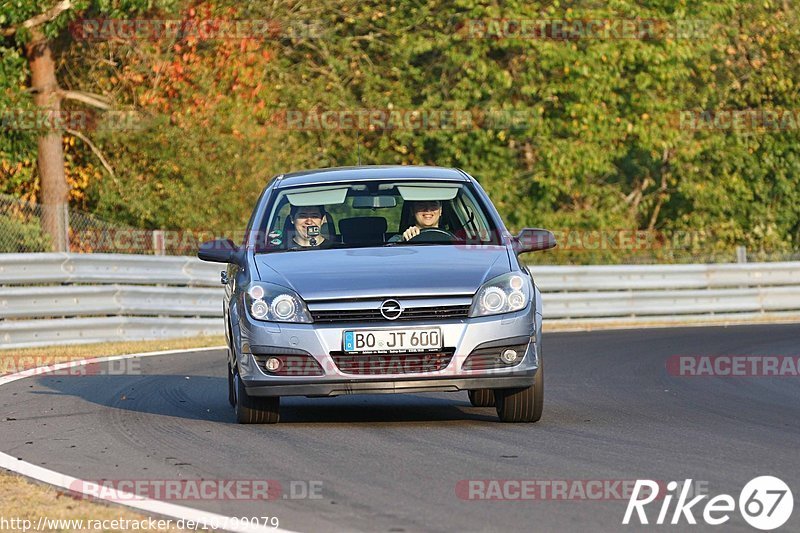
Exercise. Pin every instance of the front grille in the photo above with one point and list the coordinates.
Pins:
(404, 363)
(443, 312)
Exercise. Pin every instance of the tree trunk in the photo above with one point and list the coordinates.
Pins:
(54, 189)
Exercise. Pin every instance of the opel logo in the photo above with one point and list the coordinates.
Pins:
(391, 309)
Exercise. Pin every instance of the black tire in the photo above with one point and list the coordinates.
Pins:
(255, 409)
(481, 397)
(521, 405)
(231, 391)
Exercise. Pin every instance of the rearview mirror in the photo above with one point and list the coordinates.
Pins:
(221, 251)
(533, 240)
(374, 202)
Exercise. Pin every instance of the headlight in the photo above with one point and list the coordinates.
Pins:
(273, 303)
(259, 309)
(503, 294)
(284, 307)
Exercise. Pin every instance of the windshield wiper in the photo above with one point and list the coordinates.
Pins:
(341, 245)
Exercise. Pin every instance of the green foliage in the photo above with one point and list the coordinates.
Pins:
(18, 235)
(597, 143)
(18, 114)
(180, 177)
(15, 144)
(602, 148)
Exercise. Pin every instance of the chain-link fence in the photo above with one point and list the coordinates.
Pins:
(21, 227)
(22, 231)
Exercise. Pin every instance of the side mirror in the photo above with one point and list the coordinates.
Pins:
(221, 251)
(533, 240)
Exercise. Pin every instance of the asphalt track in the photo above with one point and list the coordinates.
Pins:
(393, 462)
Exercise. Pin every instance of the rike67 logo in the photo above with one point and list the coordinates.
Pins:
(765, 503)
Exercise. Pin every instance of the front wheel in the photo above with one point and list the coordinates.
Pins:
(521, 405)
(255, 409)
(231, 387)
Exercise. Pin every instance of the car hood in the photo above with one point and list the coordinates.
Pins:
(384, 272)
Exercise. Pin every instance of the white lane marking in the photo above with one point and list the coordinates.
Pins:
(90, 489)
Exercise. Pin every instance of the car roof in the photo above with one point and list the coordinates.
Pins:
(371, 173)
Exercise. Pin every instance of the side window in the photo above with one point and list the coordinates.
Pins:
(281, 218)
(276, 233)
(399, 218)
(472, 220)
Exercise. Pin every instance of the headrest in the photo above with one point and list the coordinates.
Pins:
(363, 229)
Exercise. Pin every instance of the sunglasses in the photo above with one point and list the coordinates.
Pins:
(427, 206)
(306, 215)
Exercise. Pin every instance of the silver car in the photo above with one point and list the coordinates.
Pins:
(372, 280)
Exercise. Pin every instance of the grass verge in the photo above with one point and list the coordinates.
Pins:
(17, 359)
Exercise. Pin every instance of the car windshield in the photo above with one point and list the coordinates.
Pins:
(351, 215)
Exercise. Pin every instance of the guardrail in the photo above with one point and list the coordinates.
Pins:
(642, 293)
(75, 298)
(60, 298)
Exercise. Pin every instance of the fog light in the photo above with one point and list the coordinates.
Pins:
(274, 364)
(509, 357)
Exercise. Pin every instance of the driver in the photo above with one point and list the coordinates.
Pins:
(307, 221)
(426, 215)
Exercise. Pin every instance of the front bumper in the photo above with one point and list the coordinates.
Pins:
(320, 341)
(388, 386)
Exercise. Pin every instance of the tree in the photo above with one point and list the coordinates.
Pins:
(34, 29)
(596, 146)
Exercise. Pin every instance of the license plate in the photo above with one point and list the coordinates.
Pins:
(392, 340)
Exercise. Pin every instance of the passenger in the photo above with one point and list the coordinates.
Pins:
(427, 214)
(307, 221)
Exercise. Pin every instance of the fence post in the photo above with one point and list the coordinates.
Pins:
(159, 246)
(741, 254)
(66, 228)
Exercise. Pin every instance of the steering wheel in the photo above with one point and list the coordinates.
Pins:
(433, 235)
